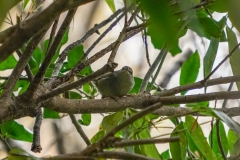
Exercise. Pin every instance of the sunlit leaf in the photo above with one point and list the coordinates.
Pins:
(199, 139)
(97, 136)
(48, 113)
(24, 4)
(9, 63)
(75, 55)
(14, 130)
(219, 6)
(214, 140)
(234, 59)
(190, 69)
(111, 5)
(86, 119)
(234, 12)
(228, 121)
(232, 140)
(5, 6)
(20, 154)
(205, 26)
(179, 149)
(163, 26)
(150, 150)
(210, 56)
(111, 121)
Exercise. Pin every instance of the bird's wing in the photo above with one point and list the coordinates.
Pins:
(104, 76)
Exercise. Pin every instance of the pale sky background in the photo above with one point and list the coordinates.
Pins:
(132, 53)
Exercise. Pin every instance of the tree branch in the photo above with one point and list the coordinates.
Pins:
(22, 32)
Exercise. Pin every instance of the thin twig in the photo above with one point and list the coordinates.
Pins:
(224, 59)
(36, 145)
(95, 57)
(42, 70)
(146, 47)
(201, 4)
(31, 26)
(90, 149)
(101, 36)
(27, 68)
(106, 68)
(121, 36)
(22, 63)
(199, 84)
(218, 126)
(52, 34)
(219, 139)
(121, 155)
(79, 129)
(96, 27)
(144, 141)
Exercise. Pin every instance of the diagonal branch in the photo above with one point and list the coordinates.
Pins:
(22, 32)
(51, 52)
(22, 63)
(77, 68)
(107, 68)
(65, 52)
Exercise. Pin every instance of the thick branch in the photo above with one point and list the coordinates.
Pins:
(25, 30)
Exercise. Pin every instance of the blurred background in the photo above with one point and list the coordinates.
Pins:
(59, 136)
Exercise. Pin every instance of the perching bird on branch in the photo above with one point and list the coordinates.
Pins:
(115, 84)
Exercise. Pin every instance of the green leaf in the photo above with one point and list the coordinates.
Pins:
(136, 87)
(232, 139)
(205, 26)
(204, 110)
(48, 73)
(21, 86)
(65, 38)
(75, 55)
(148, 150)
(32, 63)
(210, 56)
(9, 63)
(20, 154)
(74, 95)
(111, 121)
(198, 137)
(37, 55)
(86, 119)
(233, 13)
(14, 130)
(215, 143)
(192, 145)
(63, 41)
(97, 136)
(163, 27)
(87, 88)
(86, 71)
(234, 59)
(65, 67)
(111, 5)
(236, 147)
(48, 113)
(166, 154)
(190, 69)
(219, 6)
(228, 121)
(24, 4)
(5, 7)
(179, 149)
(197, 104)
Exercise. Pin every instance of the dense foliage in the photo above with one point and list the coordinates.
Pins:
(48, 79)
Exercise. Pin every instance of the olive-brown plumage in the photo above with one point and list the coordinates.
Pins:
(115, 84)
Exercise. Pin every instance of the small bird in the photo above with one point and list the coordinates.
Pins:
(115, 84)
